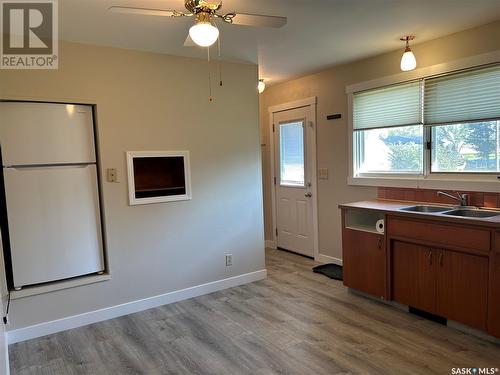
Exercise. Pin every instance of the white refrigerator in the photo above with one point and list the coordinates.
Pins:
(51, 191)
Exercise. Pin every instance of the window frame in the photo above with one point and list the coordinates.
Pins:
(430, 144)
(358, 157)
(486, 181)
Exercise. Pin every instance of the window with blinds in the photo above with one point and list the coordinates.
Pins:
(471, 96)
(396, 105)
(388, 129)
(461, 111)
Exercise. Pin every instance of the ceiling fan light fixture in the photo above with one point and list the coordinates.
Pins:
(204, 33)
(261, 86)
(408, 61)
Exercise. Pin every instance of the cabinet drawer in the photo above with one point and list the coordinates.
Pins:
(449, 236)
(497, 242)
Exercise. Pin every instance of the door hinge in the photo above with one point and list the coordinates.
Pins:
(273, 128)
(428, 145)
(275, 180)
(276, 232)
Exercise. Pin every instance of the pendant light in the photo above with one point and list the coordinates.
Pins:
(261, 86)
(408, 61)
(203, 32)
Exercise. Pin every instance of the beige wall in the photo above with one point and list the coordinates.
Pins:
(150, 101)
(329, 87)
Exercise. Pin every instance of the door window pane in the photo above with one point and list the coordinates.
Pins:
(466, 148)
(390, 150)
(292, 154)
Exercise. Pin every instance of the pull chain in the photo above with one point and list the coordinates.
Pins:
(220, 63)
(210, 98)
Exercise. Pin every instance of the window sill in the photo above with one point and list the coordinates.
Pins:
(58, 285)
(451, 182)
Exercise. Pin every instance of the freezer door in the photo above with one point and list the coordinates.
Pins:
(54, 223)
(41, 133)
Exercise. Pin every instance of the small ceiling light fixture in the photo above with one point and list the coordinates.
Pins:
(261, 86)
(203, 32)
(408, 61)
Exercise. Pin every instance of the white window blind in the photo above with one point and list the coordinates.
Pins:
(463, 97)
(390, 106)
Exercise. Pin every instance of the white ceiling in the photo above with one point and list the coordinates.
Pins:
(319, 33)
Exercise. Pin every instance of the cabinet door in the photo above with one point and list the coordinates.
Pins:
(494, 295)
(364, 262)
(414, 276)
(463, 288)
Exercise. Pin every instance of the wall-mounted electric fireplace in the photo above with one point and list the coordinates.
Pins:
(158, 176)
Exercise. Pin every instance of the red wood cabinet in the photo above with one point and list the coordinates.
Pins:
(462, 288)
(445, 283)
(494, 294)
(448, 269)
(364, 262)
(413, 276)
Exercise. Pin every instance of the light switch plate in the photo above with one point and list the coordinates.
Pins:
(323, 173)
(111, 175)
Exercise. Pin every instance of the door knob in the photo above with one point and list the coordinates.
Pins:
(308, 195)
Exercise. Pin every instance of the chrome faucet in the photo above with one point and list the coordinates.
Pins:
(463, 199)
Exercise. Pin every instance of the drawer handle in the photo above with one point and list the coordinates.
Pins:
(430, 257)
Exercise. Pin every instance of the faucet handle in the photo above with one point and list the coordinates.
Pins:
(464, 198)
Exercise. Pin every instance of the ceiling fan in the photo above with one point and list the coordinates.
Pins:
(205, 32)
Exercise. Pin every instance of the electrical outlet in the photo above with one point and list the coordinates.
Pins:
(229, 260)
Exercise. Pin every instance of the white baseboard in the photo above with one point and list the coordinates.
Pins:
(47, 328)
(328, 259)
(270, 244)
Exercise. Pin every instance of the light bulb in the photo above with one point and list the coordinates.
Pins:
(204, 34)
(261, 86)
(408, 61)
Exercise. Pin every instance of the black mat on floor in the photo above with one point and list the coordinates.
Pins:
(333, 271)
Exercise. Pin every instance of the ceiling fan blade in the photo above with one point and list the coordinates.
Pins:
(189, 42)
(145, 11)
(257, 20)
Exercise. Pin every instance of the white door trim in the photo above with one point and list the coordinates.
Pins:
(307, 102)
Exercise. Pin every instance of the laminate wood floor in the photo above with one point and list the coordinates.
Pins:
(295, 322)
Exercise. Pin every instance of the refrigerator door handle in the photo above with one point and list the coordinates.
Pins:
(48, 166)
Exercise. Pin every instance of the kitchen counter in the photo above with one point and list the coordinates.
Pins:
(394, 208)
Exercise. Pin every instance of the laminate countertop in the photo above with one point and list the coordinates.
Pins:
(395, 207)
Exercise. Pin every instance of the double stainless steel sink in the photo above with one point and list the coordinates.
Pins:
(469, 212)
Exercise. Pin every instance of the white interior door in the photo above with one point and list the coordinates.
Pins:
(293, 183)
